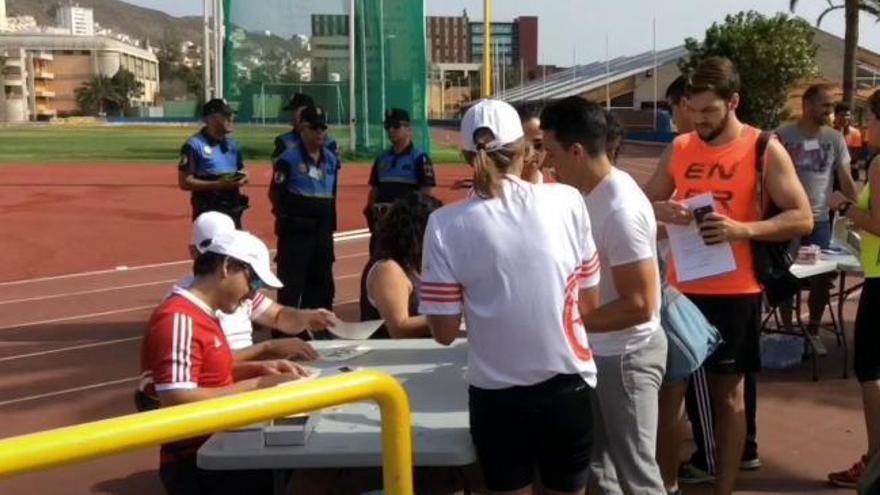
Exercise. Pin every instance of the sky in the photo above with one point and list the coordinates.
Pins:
(569, 30)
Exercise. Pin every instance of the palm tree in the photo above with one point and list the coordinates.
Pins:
(852, 8)
(95, 93)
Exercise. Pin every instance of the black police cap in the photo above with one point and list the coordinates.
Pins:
(313, 115)
(396, 116)
(216, 105)
(299, 100)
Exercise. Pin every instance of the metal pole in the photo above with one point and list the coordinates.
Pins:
(365, 124)
(607, 76)
(352, 107)
(442, 93)
(206, 50)
(263, 102)
(654, 70)
(216, 41)
(543, 80)
(221, 42)
(381, 35)
(487, 44)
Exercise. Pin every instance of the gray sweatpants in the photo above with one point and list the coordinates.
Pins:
(625, 420)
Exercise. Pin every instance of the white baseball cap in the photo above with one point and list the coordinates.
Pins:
(247, 248)
(496, 115)
(209, 224)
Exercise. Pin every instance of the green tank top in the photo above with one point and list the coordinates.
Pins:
(870, 242)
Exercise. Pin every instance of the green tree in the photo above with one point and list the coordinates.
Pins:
(773, 54)
(851, 8)
(127, 88)
(97, 95)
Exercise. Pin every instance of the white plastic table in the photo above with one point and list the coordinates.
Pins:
(349, 436)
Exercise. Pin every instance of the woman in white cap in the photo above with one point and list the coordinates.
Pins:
(186, 358)
(518, 261)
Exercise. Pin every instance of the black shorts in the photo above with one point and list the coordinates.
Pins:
(184, 477)
(547, 427)
(867, 334)
(738, 319)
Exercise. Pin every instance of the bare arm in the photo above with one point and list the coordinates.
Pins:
(185, 396)
(294, 321)
(444, 328)
(637, 286)
(866, 220)
(659, 189)
(847, 184)
(786, 191)
(391, 289)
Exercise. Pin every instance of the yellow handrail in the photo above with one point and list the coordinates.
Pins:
(111, 436)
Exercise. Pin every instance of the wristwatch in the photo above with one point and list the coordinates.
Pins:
(843, 208)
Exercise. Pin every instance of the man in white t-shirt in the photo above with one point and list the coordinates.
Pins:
(517, 261)
(624, 331)
(263, 310)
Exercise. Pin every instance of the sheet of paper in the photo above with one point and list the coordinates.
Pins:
(342, 352)
(693, 258)
(355, 331)
(314, 373)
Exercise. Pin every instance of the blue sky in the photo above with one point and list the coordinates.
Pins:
(568, 29)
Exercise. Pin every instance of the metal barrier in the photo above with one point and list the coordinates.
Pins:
(101, 438)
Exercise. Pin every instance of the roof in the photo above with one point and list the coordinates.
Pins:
(42, 41)
(583, 78)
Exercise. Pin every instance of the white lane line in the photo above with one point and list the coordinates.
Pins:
(78, 317)
(68, 349)
(352, 235)
(68, 391)
(90, 291)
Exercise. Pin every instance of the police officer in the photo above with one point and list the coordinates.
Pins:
(211, 165)
(306, 176)
(291, 139)
(398, 171)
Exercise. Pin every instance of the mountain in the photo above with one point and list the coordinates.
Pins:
(121, 17)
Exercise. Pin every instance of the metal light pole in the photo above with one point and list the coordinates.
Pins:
(206, 50)
(486, 90)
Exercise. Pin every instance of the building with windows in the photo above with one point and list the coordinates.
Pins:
(449, 39)
(513, 44)
(78, 21)
(44, 71)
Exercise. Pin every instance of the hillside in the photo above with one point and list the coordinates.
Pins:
(121, 17)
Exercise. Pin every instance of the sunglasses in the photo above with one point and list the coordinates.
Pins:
(538, 145)
(254, 281)
(395, 126)
(318, 127)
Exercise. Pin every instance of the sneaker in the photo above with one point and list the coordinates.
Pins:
(751, 464)
(816, 342)
(692, 475)
(850, 477)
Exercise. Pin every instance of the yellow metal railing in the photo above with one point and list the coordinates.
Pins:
(102, 438)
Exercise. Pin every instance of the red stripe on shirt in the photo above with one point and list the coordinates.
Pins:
(442, 299)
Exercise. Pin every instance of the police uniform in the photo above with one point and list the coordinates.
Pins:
(306, 219)
(207, 158)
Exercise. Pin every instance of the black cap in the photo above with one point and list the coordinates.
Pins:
(299, 100)
(313, 116)
(216, 105)
(395, 116)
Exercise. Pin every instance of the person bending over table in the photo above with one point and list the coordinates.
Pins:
(393, 279)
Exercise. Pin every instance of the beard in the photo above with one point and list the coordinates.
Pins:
(715, 131)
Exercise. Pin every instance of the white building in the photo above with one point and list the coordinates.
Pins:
(80, 21)
(2, 15)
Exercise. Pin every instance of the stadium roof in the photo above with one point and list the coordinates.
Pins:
(583, 78)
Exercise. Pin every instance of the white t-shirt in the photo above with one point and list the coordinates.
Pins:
(625, 232)
(237, 326)
(514, 267)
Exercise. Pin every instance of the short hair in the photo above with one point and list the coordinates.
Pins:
(842, 108)
(207, 263)
(715, 74)
(576, 120)
(815, 90)
(874, 103)
(676, 90)
(614, 138)
(400, 232)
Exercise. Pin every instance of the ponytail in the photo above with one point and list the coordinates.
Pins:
(491, 163)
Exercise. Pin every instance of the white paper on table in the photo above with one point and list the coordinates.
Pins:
(693, 258)
(342, 352)
(361, 330)
(313, 374)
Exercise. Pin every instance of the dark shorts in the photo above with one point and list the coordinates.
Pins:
(867, 333)
(545, 428)
(738, 319)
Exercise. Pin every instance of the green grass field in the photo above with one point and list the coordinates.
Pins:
(156, 144)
